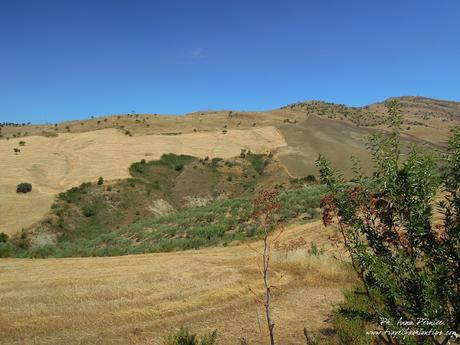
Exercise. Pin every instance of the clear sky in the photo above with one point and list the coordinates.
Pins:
(73, 59)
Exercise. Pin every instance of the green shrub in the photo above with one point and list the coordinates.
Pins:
(89, 211)
(74, 194)
(315, 250)
(7, 249)
(175, 161)
(258, 161)
(23, 187)
(3, 237)
(310, 179)
(100, 181)
(215, 162)
(184, 337)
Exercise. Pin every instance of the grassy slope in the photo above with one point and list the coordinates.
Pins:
(156, 209)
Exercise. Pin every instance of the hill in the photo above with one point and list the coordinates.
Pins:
(177, 202)
(53, 165)
(56, 157)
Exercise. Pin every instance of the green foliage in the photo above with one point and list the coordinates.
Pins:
(184, 337)
(310, 179)
(7, 249)
(23, 187)
(3, 237)
(176, 162)
(100, 181)
(258, 161)
(75, 193)
(173, 163)
(215, 163)
(89, 211)
(315, 250)
(218, 223)
(22, 143)
(409, 268)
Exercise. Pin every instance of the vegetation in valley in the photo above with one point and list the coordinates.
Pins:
(175, 203)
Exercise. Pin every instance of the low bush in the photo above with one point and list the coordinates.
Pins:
(184, 337)
(89, 211)
(3, 237)
(258, 161)
(23, 187)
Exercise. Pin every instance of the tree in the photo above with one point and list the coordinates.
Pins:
(22, 143)
(100, 181)
(409, 266)
(265, 214)
(23, 187)
(16, 150)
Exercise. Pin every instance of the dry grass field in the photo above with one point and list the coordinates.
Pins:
(138, 299)
(53, 165)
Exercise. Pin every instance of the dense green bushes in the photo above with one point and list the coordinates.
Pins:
(218, 223)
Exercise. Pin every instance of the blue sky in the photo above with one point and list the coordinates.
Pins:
(73, 59)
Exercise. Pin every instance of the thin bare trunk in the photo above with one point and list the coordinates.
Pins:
(266, 261)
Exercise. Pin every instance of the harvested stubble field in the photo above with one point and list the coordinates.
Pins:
(138, 299)
(53, 165)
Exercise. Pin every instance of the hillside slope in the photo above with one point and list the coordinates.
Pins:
(56, 157)
(138, 299)
(53, 165)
